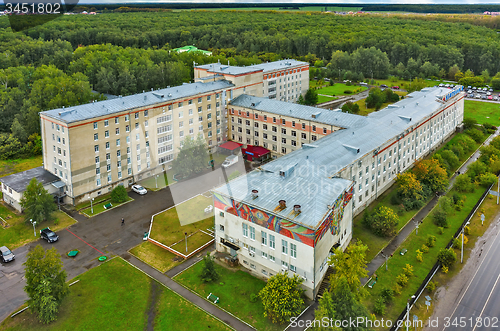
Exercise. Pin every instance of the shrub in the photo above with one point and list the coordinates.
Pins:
(395, 200)
(379, 307)
(208, 273)
(347, 91)
(440, 230)
(439, 218)
(119, 194)
(402, 279)
(397, 289)
(431, 240)
(420, 257)
(253, 297)
(447, 257)
(408, 270)
(388, 294)
(475, 134)
(456, 243)
(431, 286)
(467, 230)
(424, 248)
(444, 269)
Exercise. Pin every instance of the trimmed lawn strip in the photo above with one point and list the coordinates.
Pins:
(405, 83)
(234, 294)
(167, 227)
(376, 243)
(172, 310)
(99, 207)
(9, 167)
(482, 112)
(19, 232)
(421, 269)
(157, 257)
(339, 88)
(97, 199)
(101, 301)
(322, 99)
(194, 242)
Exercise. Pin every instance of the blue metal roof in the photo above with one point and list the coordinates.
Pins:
(265, 67)
(107, 107)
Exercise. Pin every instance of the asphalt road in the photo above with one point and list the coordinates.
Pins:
(480, 300)
(103, 234)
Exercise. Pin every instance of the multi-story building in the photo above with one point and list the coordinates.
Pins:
(289, 214)
(283, 127)
(96, 146)
(283, 80)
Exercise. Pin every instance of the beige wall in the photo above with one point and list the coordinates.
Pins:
(288, 137)
(286, 84)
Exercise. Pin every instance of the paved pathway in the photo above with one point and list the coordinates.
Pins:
(392, 247)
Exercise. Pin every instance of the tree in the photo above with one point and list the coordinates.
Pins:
(350, 107)
(208, 273)
(325, 312)
(301, 100)
(350, 265)
(37, 203)
(383, 221)
(432, 174)
(410, 190)
(416, 85)
(192, 156)
(282, 297)
(463, 183)
(487, 179)
(347, 306)
(45, 283)
(447, 257)
(119, 194)
(375, 98)
(311, 97)
(450, 158)
(453, 71)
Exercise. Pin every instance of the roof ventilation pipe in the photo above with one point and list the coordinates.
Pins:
(255, 194)
(282, 204)
(296, 208)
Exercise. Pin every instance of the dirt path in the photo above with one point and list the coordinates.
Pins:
(448, 296)
(155, 292)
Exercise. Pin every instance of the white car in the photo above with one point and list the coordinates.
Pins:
(139, 189)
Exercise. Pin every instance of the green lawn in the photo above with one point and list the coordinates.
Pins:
(156, 256)
(9, 167)
(339, 88)
(404, 83)
(195, 241)
(99, 207)
(169, 227)
(19, 232)
(322, 99)
(233, 289)
(97, 199)
(421, 269)
(482, 112)
(102, 301)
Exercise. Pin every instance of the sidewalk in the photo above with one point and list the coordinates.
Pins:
(203, 304)
(391, 248)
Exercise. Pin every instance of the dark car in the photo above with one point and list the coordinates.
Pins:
(6, 254)
(383, 85)
(49, 235)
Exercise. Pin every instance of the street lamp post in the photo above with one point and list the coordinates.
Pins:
(185, 236)
(156, 181)
(386, 259)
(34, 232)
(408, 312)
(462, 251)
(417, 223)
(91, 206)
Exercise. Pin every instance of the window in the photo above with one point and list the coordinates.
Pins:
(136, 115)
(97, 171)
(284, 246)
(106, 134)
(283, 121)
(303, 126)
(324, 130)
(117, 120)
(303, 135)
(265, 117)
(95, 125)
(146, 112)
(127, 128)
(293, 250)
(97, 159)
(107, 144)
(271, 258)
(283, 130)
(117, 142)
(264, 255)
(271, 241)
(293, 268)
(245, 230)
(96, 148)
(96, 136)
(108, 168)
(127, 117)
(137, 125)
(264, 238)
(98, 182)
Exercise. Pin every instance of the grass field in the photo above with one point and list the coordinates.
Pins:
(99, 207)
(155, 256)
(421, 269)
(97, 199)
(322, 98)
(365, 111)
(116, 296)
(195, 241)
(404, 83)
(19, 232)
(339, 88)
(233, 289)
(482, 112)
(168, 226)
(9, 167)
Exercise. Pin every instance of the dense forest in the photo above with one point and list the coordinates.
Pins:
(62, 62)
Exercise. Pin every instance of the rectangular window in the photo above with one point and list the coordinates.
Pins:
(117, 142)
(107, 144)
(271, 241)
(252, 233)
(146, 112)
(271, 258)
(293, 250)
(264, 238)
(96, 148)
(127, 128)
(106, 122)
(106, 134)
(245, 230)
(293, 268)
(136, 115)
(95, 125)
(96, 136)
(264, 255)
(117, 120)
(127, 117)
(284, 246)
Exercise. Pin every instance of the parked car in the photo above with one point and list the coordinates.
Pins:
(396, 87)
(485, 89)
(446, 85)
(490, 97)
(469, 87)
(49, 235)
(230, 160)
(488, 93)
(495, 98)
(139, 189)
(474, 88)
(383, 85)
(469, 91)
(491, 90)
(6, 254)
(478, 96)
(452, 85)
(484, 97)
(441, 85)
(363, 84)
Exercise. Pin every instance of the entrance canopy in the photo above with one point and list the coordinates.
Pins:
(255, 152)
(229, 147)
